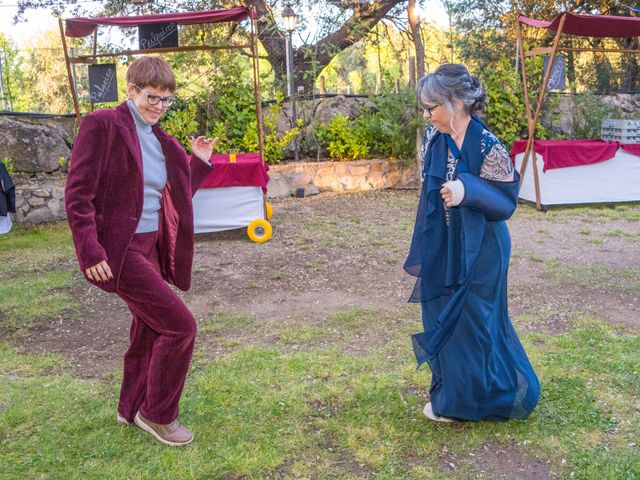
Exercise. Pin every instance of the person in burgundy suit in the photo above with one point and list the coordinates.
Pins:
(128, 201)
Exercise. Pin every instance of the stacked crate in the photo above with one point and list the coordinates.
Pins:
(623, 131)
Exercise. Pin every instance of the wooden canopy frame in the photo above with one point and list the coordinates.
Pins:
(604, 26)
(81, 27)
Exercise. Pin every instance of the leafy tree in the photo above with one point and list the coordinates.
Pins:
(11, 74)
(488, 29)
(339, 24)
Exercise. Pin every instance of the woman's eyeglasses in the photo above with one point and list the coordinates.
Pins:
(153, 99)
(430, 110)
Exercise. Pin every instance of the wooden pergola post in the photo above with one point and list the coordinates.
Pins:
(532, 122)
(74, 94)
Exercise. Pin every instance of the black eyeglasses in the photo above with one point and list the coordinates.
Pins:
(430, 110)
(153, 99)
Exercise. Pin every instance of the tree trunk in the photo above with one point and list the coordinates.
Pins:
(414, 23)
(310, 60)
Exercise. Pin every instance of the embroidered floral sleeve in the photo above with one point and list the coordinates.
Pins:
(429, 132)
(497, 164)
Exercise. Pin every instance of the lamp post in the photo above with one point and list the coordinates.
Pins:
(291, 21)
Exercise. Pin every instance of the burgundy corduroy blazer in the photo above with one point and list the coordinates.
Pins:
(104, 196)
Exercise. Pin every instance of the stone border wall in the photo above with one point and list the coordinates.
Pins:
(316, 177)
(41, 199)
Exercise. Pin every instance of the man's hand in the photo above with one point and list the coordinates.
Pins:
(99, 273)
(202, 146)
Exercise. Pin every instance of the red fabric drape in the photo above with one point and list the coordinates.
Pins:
(590, 25)
(247, 171)
(570, 153)
(82, 26)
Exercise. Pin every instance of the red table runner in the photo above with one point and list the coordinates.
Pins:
(246, 171)
(569, 153)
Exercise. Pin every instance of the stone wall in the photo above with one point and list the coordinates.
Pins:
(316, 177)
(40, 199)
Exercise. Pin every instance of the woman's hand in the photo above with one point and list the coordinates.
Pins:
(99, 273)
(447, 195)
(202, 146)
(452, 193)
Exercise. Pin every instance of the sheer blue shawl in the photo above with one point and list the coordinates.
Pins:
(443, 257)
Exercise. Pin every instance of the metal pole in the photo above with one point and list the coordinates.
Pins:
(288, 60)
(292, 96)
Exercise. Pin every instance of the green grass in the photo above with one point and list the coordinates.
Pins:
(227, 322)
(336, 397)
(38, 271)
(589, 275)
(601, 214)
(261, 412)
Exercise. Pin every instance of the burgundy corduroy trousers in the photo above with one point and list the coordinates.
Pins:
(162, 335)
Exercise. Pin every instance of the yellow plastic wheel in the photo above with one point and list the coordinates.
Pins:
(259, 230)
(269, 210)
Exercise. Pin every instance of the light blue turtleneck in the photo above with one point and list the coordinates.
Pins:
(154, 170)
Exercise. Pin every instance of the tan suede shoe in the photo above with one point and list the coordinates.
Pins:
(120, 420)
(172, 433)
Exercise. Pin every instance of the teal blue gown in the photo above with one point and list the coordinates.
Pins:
(460, 257)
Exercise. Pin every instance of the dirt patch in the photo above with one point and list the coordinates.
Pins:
(333, 253)
(493, 461)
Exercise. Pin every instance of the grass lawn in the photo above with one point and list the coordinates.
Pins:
(304, 398)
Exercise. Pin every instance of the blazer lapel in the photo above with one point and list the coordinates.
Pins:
(127, 128)
(173, 154)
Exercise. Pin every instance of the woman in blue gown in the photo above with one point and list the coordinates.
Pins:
(460, 255)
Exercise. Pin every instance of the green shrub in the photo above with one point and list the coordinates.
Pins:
(343, 139)
(274, 144)
(506, 111)
(390, 126)
(8, 162)
(181, 123)
(589, 113)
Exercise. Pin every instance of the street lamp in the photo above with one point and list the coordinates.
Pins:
(291, 22)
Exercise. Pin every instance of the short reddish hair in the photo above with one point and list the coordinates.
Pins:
(151, 72)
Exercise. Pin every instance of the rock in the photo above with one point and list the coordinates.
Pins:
(311, 190)
(65, 126)
(33, 148)
(56, 209)
(36, 201)
(57, 192)
(277, 187)
(39, 215)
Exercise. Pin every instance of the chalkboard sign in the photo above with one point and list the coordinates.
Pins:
(103, 84)
(557, 77)
(158, 35)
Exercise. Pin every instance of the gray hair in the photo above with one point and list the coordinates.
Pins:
(451, 82)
